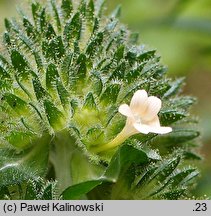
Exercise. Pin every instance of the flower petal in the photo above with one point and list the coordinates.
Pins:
(138, 102)
(141, 128)
(160, 130)
(154, 122)
(125, 110)
(154, 106)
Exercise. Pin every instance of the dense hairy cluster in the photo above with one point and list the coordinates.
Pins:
(66, 70)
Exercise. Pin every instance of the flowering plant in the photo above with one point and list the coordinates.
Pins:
(67, 75)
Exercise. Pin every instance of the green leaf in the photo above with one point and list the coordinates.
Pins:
(173, 194)
(78, 190)
(169, 116)
(54, 49)
(63, 94)
(17, 104)
(90, 11)
(16, 167)
(40, 92)
(20, 64)
(7, 39)
(177, 179)
(5, 80)
(188, 155)
(88, 170)
(56, 15)
(32, 189)
(50, 32)
(166, 169)
(89, 102)
(134, 74)
(146, 55)
(20, 139)
(183, 102)
(155, 179)
(7, 24)
(47, 193)
(72, 29)
(54, 115)
(119, 54)
(65, 69)
(99, 7)
(82, 8)
(117, 12)
(109, 96)
(52, 76)
(35, 11)
(134, 37)
(119, 72)
(122, 159)
(82, 68)
(42, 20)
(67, 7)
(29, 28)
(39, 189)
(175, 87)
(94, 45)
(179, 136)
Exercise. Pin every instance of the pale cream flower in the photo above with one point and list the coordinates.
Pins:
(142, 117)
(142, 114)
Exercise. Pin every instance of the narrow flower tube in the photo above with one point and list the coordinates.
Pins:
(142, 117)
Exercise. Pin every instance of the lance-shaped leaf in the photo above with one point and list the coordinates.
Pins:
(90, 102)
(175, 87)
(56, 14)
(40, 92)
(82, 68)
(121, 159)
(20, 64)
(63, 94)
(146, 55)
(17, 104)
(5, 79)
(73, 28)
(90, 11)
(178, 136)
(50, 32)
(169, 116)
(94, 45)
(55, 117)
(134, 36)
(29, 28)
(109, 96)
(119, 54)
(21, 139)
(39, 189)
(67, 7)
(77, 191)
(119, 72)
(52, 76)
(54, 49)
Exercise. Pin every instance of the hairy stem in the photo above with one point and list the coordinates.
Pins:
(61, 154)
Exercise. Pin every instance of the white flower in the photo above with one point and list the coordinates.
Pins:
(142, 114)
(142, 117)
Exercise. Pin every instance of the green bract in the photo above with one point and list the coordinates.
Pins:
(64, 72)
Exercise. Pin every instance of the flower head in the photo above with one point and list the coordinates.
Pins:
(142, 114)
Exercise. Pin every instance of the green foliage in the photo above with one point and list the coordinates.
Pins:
(34, 189)
(66, 71)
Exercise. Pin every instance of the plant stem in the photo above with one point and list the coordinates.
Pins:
(61, 156)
